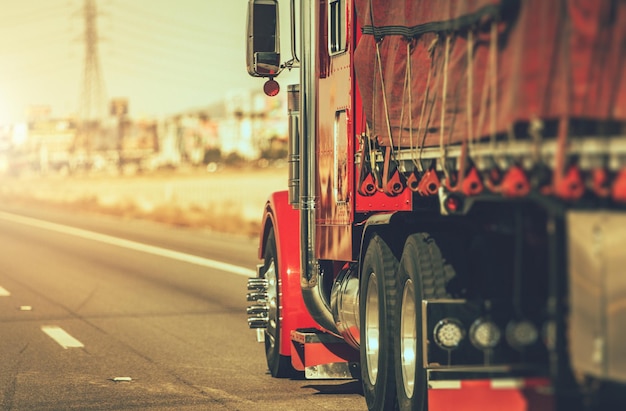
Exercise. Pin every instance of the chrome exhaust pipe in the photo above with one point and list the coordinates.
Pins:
(310, 277)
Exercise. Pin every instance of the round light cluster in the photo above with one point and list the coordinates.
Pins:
(484, 334)
(448, 333)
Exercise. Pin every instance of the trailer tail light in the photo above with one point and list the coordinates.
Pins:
(449, 333)
(484, 334)
(453, 204)
(479, 333)
(521, 334)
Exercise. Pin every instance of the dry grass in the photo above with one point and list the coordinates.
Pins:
(230, 201)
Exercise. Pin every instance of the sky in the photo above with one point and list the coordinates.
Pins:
(164, 56)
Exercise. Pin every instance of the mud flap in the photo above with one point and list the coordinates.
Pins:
(597, 287)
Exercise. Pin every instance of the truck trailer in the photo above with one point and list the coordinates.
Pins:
(451, 230)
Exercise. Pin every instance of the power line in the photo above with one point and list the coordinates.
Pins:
(39, 15)
(152, 60)
(164, 70)
(142, 31)
(169, 22)
(36, 43)
(37, 64)
(155, 51)
(45, 70)
(167, 76)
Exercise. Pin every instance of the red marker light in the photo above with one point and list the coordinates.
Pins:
(271, 87)
(453, 204)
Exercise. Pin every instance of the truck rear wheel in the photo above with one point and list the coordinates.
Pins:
(376, 307)
(422, 274)
(279, 365)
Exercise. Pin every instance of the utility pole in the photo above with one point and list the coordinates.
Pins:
(92, 99)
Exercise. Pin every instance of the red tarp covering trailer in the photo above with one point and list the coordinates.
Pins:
(520, 61)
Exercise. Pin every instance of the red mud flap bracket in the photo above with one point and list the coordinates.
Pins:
(488, 393)
(323, 356)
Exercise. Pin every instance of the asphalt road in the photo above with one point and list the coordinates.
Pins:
(108, 314)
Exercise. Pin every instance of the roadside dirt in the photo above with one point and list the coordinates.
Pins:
(229, 200)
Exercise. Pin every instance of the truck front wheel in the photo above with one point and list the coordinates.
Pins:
(279, 365)
(376, 305)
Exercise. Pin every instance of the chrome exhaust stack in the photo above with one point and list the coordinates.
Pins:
(310, 277)
(293, 108)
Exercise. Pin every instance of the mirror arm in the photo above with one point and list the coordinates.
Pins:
(290, 64)
(295, 61)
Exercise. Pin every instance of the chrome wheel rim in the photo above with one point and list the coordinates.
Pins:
(272, 303)
(372, 328)
(408, 338)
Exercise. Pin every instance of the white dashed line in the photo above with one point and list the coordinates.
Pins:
(4, 292)
(61, 336)
(132, 245)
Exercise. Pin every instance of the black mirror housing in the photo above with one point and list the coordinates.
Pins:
(263, 42)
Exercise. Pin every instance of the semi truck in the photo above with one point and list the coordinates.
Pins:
(453, 228)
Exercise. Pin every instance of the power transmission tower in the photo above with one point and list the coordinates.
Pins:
(92, 99)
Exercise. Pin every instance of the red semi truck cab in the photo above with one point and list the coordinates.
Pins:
(453, 226)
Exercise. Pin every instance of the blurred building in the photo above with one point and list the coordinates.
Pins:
(245, 126)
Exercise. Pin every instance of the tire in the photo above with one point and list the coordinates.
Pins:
(376, 306)
(422, 274)
(279, 365)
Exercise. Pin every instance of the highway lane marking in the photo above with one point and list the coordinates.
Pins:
(61, 336)
(132, 245)
(4, 292)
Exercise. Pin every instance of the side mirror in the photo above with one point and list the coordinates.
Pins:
(263, 46)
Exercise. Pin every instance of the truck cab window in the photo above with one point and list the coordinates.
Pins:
(337, 26)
